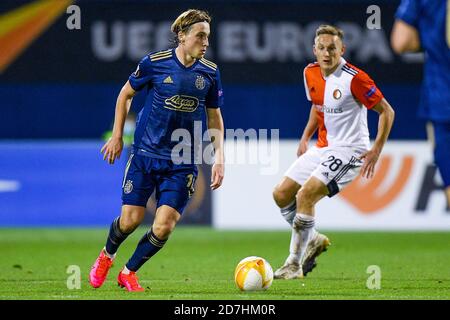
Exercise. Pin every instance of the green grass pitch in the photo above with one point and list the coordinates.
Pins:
(198, 263)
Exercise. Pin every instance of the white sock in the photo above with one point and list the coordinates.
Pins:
(294, 247)
(288, 212)
(111, 256)
(303, 227)
(125, 270)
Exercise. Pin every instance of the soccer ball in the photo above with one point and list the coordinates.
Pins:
(253, 273)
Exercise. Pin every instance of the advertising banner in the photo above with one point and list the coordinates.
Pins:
(405, 194)
(69, 184)
(250, 41)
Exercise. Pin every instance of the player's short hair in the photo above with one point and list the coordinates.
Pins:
(188, 18)
(329, 29)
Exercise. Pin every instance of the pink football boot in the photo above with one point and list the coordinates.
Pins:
(129, 281)
(100, 269)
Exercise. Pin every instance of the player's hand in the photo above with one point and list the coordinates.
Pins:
(217, 173)
(302, 147)
(112, 149)
(370, 159)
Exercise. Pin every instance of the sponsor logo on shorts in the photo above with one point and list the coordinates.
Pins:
(128, 187)
(190, 183)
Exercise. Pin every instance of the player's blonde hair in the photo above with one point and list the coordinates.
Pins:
(185, 20)
(329, 29)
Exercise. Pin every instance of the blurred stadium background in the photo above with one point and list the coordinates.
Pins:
(59, 86)
(58, 89)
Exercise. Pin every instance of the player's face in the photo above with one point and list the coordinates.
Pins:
(328, 50)
(196, 40)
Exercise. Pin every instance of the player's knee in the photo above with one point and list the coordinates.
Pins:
(129, 221)
(163, 229)
(281, 197)
(305, 196)
(128, 225)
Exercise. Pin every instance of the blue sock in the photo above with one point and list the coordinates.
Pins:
(115, 237)
(146, 248)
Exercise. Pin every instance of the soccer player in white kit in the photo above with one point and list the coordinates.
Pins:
(340, 95)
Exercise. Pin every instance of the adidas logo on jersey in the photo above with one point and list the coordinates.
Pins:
(168, 80)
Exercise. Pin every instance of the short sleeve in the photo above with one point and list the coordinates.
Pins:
(409, 12)
(214, 99)
(364, 89)
(142, 76)
(308, 96)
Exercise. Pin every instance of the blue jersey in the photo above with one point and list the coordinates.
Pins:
(179, 97)
(429, 18)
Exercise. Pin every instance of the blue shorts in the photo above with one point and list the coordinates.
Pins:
(442, 150)
(174, 183)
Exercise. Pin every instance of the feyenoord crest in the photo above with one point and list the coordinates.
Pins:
(128, 187)
(337, 94)
(200, 83)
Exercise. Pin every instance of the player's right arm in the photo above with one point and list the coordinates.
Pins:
(114, 146)
(138, 80)
(313, 122)
(308, 132)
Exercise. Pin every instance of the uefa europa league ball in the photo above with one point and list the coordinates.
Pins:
(253, 273)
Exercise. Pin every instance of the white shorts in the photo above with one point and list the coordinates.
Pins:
(336, 167)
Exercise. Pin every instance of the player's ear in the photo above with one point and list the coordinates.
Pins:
(343, 49)
(314, 45)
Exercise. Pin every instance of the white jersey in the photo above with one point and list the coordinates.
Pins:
(342, 100)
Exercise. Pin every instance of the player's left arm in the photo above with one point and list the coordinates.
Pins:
(404, 38)
(404, 35)
(366, 92)
(386, 119)
(216, 132)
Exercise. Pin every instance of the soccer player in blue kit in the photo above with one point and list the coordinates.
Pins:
(426, 24)
(184, 86)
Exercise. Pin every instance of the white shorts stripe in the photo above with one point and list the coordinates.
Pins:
(126, 169)
(316, 162)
